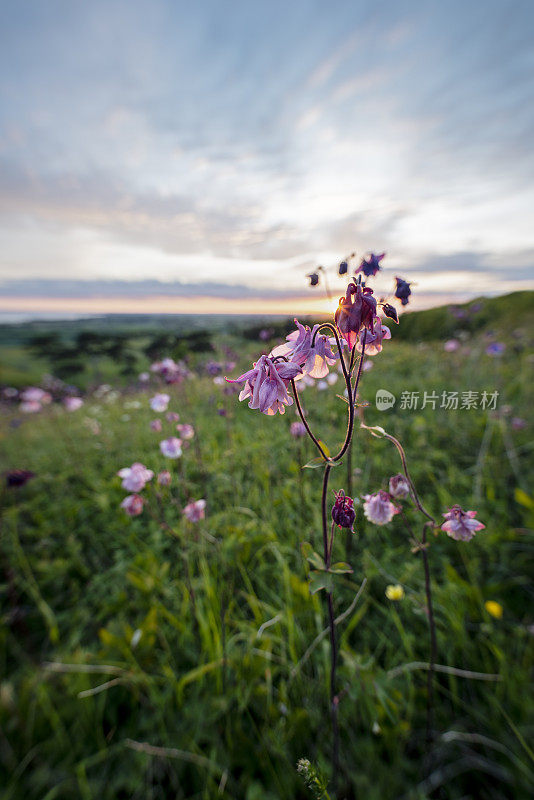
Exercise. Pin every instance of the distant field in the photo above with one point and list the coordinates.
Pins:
(196, 637)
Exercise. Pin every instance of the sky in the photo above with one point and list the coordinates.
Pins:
(164, 156)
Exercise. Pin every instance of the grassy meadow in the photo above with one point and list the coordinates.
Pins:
(153, 657)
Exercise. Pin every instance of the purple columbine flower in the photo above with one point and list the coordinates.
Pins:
(461, 525)
(402, 291)
(298, 349)
(171, 447)
(343, 512)
(495, 349)
(354, 314)
(343, 268)
(18, 477)
(195, 511)
(266, 385)
(156, 425)
(371, 265)
(164, 478)
(373, 339)
(378, 507)
(297, 429)
(159, 402)
(135, 478)
(399, 486)
(186, 431)
(133, 505)
(314, 278)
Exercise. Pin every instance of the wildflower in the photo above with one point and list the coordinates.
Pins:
(367, 365)
(213, 368)
(172, 416)
(10, 392)
(352, 315)
(461, 525)
(218, 380)
(144, 377)
(297, 429)
(373, 339)
(186, 431)
(265, 334)
(343, 512)
(35, 395)
(403, 291)
(390, 312)
(343, 267)
(371, 265)
(517, 423)
(30, 407)
(399, 486)
(494, 609)
(332, 378)
(322, 385)
(73, 403)
(159, 402)
(171, 447)
(156, 425)
(495, 349)
(378, 508)
(298, 349)
(314, 278)
(451, 345)
(164, 478)
(18, 477)
(266, 385)
(135, 478)
(222, 412)
(394, 592)
(195, 511)
(133, 505)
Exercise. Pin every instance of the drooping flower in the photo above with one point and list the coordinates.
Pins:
(494, 609)
(172, 416)
(403, 291)
(159, 402)
(73, 403)
(394, 592)
(373, 339)
(343, 267)
(195, 511)
(297, 429)
(155, 425)
(461, 525)
(171, 447)
(186, 431)
(133, 505)
(135, 478)
(371, 265)
(451, 345)
(298, 349)
(378, 507)
(164, 478)
(354, 314)
(343, 512)
(266, 385)
(399, 486)
(314, 278)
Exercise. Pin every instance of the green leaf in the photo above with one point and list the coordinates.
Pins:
(321, 580)
(341, 568)
(316, 561)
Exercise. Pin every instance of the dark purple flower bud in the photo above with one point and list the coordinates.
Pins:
(370, 266)
(343, 512)
(403, 291)
(18, 477)
(343, 267)
(390, 312)
(314, 278)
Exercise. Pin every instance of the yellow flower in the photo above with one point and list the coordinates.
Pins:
(395, 592)
(493, 608)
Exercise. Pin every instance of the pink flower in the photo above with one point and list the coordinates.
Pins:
(461, 525)
(159, 402)
(186, 431)
(373, 339)
(30, 407)
(298, 349)
(135, 478)
(133, 505)
(172, 416)
(171, 448)
(195, 511)
(144, 377)
(156, 425)
(378, 508)
(354, 314)
(451, 345)
(266, 385)
(399, 487)
(164, 478)
(73, 403)
(297, 429)
(35, 395)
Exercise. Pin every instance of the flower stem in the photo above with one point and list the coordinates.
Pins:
(433, 643)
